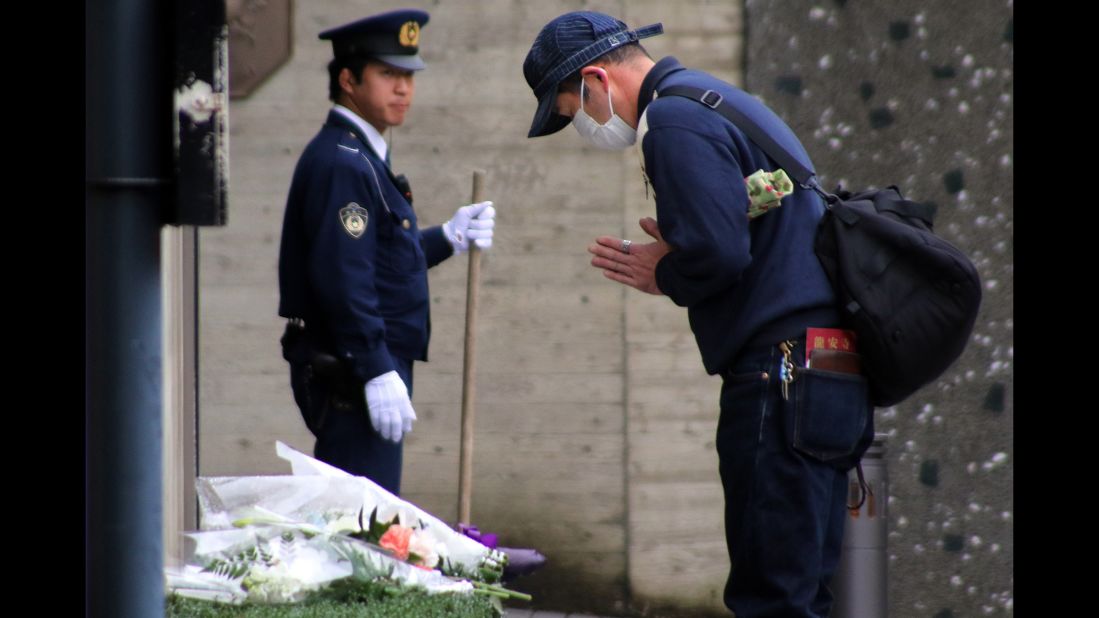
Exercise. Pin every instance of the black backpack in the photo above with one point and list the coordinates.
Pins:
(910, 297)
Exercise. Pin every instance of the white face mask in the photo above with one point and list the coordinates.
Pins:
(615, 135)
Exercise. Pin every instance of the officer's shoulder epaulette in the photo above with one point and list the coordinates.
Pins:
(350, 151)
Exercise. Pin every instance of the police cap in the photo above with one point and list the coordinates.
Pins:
(393, 38)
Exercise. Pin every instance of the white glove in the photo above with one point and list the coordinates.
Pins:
(390, 409)
(473, 222)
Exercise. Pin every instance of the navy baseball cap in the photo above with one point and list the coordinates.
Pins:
(566, 44)
(393, 38)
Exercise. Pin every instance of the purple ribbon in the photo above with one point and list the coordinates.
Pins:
(487, 539)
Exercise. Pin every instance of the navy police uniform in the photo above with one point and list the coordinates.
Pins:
(748, 286)
(353, 270)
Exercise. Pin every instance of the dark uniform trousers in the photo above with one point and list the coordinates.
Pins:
(334, 409)
(782, 460)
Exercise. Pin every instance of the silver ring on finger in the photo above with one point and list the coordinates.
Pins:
(626, 246)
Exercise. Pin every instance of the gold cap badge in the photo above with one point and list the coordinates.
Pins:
(410, 34)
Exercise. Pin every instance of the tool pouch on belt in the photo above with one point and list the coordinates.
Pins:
(831, 418)
(319, 380)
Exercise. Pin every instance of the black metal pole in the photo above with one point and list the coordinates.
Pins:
(128, 166)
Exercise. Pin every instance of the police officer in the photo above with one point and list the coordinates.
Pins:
(751, 290)
(353, 259)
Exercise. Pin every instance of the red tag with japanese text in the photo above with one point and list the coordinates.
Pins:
(829, 339)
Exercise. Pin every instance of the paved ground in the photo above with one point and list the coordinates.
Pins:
(541, 614)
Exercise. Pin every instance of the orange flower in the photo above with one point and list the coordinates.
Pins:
(396, 540)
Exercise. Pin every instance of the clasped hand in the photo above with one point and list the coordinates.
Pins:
(632, 264)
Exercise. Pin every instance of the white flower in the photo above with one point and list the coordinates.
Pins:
(423, 545)
(291, 568)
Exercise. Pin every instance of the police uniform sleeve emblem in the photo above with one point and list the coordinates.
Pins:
(354, 219)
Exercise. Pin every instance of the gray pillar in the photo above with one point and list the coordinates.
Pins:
(860, 581)
(128, 164)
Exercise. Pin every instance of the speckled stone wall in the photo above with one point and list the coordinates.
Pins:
(920, 94)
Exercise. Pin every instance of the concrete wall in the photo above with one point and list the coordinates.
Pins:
(920, 94)
(595, 420)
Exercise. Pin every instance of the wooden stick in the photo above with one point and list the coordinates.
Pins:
(465, 464)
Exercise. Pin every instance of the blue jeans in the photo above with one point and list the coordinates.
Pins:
(783, 465)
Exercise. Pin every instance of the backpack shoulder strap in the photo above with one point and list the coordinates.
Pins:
(803, 175)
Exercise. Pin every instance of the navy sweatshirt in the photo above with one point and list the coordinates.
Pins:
(744, 284)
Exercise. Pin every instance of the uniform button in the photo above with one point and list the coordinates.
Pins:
(351, 133)
(406, 224)
(765, 375)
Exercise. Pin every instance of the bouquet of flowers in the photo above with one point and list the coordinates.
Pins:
(279, 539)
